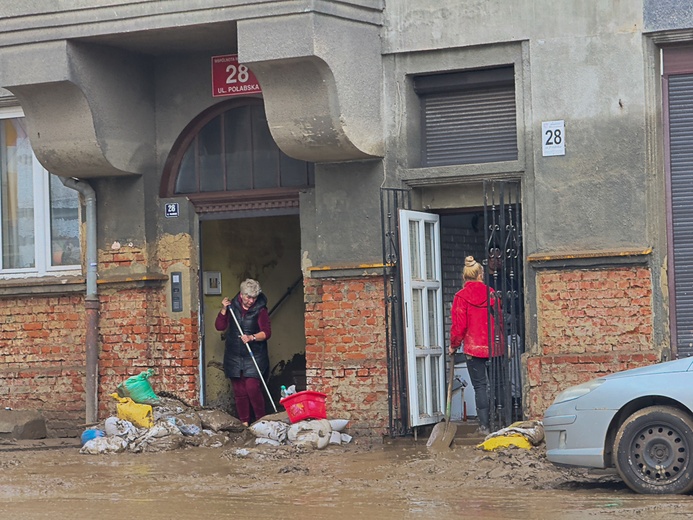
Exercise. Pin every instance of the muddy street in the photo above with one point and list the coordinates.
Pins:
(398, 480)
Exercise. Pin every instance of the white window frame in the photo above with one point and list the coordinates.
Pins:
(42, 224)
(433, 356)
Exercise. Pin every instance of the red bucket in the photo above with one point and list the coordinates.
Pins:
(305, 405)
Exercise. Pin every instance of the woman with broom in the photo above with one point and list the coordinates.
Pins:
(250, 308)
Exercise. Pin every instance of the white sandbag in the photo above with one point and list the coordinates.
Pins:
(315, 433)
(346, 438)
(265, 440)
(338, 425)
(115, 427)
(104, 445)
(335, 438)
(533, 431)
(162, 429)
(275, 430)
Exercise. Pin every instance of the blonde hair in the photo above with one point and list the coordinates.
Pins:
(473, 270)
(250, 287)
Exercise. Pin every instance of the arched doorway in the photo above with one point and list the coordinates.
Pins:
(245, 191)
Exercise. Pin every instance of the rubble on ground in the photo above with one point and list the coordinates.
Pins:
(174, 425)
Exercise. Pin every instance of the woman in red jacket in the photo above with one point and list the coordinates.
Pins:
(470, 326)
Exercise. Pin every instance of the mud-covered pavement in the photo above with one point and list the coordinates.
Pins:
(392, 481)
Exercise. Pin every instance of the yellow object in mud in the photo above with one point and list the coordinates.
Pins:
(140, 415)
(506, 441)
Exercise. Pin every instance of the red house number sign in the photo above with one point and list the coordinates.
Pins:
(230, 78)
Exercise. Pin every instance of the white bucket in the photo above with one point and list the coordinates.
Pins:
(458, 402)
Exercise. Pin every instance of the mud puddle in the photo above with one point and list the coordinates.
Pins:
(354, 482)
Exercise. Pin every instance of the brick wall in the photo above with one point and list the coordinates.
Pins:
(42, 357)
(43, 344)
(137, 334)
(42, 352)
(590, 323)
(346, 350)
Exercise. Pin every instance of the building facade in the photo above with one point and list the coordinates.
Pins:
(348, 155)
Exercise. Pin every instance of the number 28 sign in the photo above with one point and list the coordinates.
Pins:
(230, 78)
(552, 138)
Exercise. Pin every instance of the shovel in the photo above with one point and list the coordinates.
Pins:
(443, 433)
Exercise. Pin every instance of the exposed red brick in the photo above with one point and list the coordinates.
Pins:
(590, 323)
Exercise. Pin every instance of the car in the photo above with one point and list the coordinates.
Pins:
(638, 422)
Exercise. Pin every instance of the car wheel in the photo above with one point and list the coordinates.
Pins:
(654, 451)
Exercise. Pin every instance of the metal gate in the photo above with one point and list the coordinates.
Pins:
(391, 201)
(503, 272)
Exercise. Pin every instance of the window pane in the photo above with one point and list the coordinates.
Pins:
(414, 260)
(293, 171)
(417, 318)
(187, 180)
(430, 252)
(421, 389)
(435, 384)
(209, 151)
(17, 192)
(238, 143)
(432, 311)
(64, 210)
(265, 152)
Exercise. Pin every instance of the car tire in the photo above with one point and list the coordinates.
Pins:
(654, 451)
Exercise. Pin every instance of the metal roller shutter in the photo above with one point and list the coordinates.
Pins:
(681, 143)
(467, 127)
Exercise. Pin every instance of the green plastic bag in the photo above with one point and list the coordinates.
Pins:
(138, 388)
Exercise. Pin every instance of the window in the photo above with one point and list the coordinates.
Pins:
(234, 151)
(39, 217)
(468, 117)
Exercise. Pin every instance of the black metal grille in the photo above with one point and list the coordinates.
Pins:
(503, 236)
(391, 201)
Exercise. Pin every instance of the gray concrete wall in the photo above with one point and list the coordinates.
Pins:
(347, 230)
(583, 64)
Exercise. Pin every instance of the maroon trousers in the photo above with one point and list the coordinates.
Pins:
(248, 392)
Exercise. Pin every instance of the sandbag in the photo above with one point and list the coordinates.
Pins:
(138, 388)
(507, 441)
(138, 414)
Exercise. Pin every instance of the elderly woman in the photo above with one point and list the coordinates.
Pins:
(250, 308)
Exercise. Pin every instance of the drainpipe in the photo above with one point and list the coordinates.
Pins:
(91, 302)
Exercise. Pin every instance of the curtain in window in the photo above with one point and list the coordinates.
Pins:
(17, 202)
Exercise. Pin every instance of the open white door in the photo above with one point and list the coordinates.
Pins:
(423, 315)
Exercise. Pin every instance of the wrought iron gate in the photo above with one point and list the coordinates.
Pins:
(503, 239)
(503, 274)
(391, 201)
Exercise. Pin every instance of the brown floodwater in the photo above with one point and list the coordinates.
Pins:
(403, 480)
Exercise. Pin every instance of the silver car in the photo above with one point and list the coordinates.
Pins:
(638, 421)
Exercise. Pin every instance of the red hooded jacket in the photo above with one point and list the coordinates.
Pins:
(470, 315)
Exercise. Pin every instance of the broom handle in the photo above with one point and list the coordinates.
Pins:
(252, 356)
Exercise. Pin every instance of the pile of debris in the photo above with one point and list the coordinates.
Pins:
(146, 422)
(318, 433)
(173, 425)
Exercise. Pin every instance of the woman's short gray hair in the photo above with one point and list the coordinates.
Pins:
(250, 287)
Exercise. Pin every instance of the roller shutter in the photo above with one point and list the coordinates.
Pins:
(681, 164)
(468, 117)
